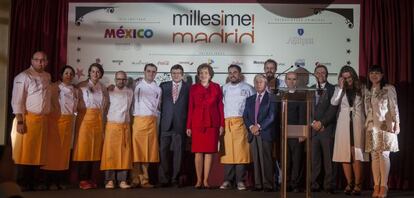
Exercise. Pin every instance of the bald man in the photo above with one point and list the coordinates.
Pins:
(31, 104)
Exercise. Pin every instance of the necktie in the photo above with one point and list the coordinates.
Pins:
(256, 108)
(175, 92)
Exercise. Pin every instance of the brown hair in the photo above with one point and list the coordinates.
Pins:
(205, 66)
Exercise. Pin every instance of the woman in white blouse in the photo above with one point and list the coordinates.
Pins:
(350, 134)
(93, 103)
(64, 102)
(382, 126)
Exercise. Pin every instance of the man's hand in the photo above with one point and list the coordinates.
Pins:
(21, 127)
(188, 132)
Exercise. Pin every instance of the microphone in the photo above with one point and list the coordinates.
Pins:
(284, 72)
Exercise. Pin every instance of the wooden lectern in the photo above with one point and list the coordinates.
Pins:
(305, 95)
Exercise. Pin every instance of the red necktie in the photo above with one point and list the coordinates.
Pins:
(256, 108)
(175, 92)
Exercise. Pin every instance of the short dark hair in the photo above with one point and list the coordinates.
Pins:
(150, 65)
(375, 68)
(205, 66)
(324, 67)
(270, 61)
(177, 66)
(64, 68)
(97, 65)
(235, 66)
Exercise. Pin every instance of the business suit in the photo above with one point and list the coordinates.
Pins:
(322, 141)
(296, 116)
(172, 130)
(262, 144)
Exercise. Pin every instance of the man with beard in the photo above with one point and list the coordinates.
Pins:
(117, 152)
(236, 147)
(270, 69)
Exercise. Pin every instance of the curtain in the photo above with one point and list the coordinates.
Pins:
(386, 39)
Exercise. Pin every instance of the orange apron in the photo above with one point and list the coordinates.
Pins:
(59, 138)
(89, 137)
(30, 148)
(145, 139)
(236, 147)
(117, 150)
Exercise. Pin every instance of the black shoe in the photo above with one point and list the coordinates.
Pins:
(41, 187)
(257, 189)
(268, 190)
(315, 190)
(348, 189)
(296, 190)
(163, 185)
(329, 191)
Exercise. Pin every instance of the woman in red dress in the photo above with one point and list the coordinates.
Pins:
(205, 122)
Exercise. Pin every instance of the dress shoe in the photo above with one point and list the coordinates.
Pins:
(147, 185)
(315, 190)
(268, 190)
(257, 189)
(163, 185)
(329, 191)
(296, 190)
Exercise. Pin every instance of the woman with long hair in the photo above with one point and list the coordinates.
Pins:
(349, 135)
(382, 126)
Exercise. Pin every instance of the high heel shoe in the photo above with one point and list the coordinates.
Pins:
(383, 192)
(357, 190)
(376, 191)
(348, 189)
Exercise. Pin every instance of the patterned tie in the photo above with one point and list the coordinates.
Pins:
(175, 92)
(256, 108)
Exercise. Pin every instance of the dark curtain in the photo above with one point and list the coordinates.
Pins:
(37, 25)
(386, 39)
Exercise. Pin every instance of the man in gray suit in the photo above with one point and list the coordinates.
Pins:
(174, 107)
(323, 131)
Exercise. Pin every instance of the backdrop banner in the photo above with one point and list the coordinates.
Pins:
(126, 36)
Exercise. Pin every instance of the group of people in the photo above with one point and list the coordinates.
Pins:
(127, 127)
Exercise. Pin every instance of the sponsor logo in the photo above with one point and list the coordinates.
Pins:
(119, 62)
(165, 62)
(186, 63)
(256, 62)
(140, 62)
(300, 39)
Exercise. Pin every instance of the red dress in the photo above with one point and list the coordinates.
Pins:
(205, 117)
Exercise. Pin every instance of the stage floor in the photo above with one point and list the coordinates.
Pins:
(184, 193)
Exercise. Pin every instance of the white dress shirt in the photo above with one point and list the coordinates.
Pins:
(146, 98)
(92, 95)
(68, 99)
(31, 92)
(120, 101)
(234, 98)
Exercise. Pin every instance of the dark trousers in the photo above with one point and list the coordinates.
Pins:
(27, 175)
(56, 177)
(171, 150)
(263, 163)
(85, 170)
(295, 162)
(234, 171)
(322, 151)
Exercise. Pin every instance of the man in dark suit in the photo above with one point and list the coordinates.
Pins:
(296, 116)
(259, 117)
(174, 107)
(323, 131)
